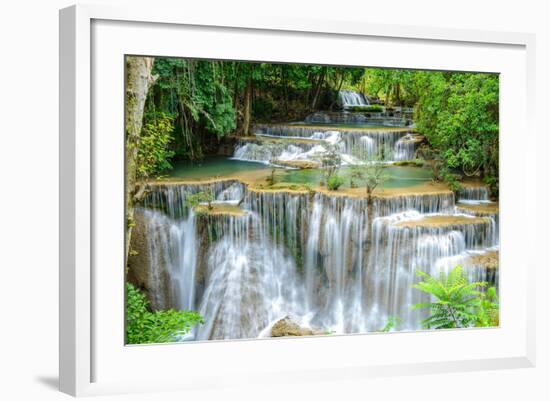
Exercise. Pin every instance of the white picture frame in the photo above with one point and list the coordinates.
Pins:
(92, 358)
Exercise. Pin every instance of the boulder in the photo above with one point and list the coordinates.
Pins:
(288, 327)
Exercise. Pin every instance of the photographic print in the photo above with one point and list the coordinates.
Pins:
(268, 200)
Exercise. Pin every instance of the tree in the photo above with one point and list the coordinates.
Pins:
(371, 169)
(330, 161)
(138, 82)
(456, 303)
(458, 114)
(196, 199)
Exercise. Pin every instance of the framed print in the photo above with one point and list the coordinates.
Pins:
(342, 196)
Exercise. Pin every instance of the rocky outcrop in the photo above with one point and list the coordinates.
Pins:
(139, 268)
(288, 327)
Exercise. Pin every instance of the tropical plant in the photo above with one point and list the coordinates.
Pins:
(144, 326)
(455, 302)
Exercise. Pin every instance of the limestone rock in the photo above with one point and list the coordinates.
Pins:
(288, 327)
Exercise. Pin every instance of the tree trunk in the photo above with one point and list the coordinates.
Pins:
(398, 94)
(370, 217)
(318, 89)
(338, 91)
(285, 90)
(247, 106)
(138, 81)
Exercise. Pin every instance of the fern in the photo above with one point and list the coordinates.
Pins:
(456, 302)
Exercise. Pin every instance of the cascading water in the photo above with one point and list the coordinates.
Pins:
(390, 145)
(473, 194)
(318, 258)
(405, 148)
(351, 98)
(251, 282)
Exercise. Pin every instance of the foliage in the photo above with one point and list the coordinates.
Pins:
(212, 98)
(154, 153)
(144, 326)
(334, 182)
(396, 87)
(391, 324)
(197, 94)
(411, 163)
(458, 114)
(193, 200)
(488, 309)
(456, 303)
(375, 108)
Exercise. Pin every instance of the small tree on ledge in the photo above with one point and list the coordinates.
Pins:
(194, 200)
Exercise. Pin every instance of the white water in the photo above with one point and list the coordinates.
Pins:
(350, 98)
(474, 194)
(313, 258)
(396, 145)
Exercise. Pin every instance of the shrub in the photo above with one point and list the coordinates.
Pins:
(334, 182)
(144, 326)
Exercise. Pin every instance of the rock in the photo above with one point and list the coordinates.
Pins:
(138, 268)
(288, 327)
(301, 164)
(488, 260)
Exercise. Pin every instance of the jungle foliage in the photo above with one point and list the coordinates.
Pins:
(144, 326)
(211, 99)
(194, 104)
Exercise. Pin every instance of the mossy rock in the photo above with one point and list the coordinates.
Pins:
(287, 327)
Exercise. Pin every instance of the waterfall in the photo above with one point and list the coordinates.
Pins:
(251, 282)
(392, 145)
(405, 148)
(333, 264)
(473, 194)
(401, 245)
(173, 247)
(319, 258)
(171, 198)
(351, 98)
(440, 202)
(270, 153)
(341, 117)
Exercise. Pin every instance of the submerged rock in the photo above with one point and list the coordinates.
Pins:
(288, 327)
